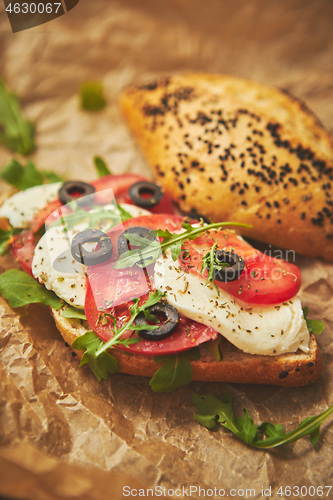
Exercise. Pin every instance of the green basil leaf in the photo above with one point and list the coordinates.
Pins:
(175, 372)
(20, 289)
(264, 436)
(101, 167)
(92, 96)
(73, 313)
(16, 132)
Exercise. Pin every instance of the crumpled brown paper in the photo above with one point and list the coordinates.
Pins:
(64, 435)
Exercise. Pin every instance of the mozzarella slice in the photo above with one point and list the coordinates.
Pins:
(22, 207)
(269, 330)
(54, 266)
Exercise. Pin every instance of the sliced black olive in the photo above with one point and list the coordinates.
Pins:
(72, 190)
(145, 194)
(124, 244)
(168, 316)
(232, 271)
(85, 257)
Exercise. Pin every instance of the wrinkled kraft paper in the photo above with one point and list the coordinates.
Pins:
(63, 434)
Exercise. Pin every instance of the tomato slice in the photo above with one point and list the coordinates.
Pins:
(265, 279)
(22, 249)
(121, 184)
(106, 285)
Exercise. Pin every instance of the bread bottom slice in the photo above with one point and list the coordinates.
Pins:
(288, 370)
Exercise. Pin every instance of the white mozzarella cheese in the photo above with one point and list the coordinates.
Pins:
(64, 275)
(22, 207)
(269, 330)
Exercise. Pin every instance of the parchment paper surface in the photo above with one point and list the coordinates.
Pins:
(64, 435)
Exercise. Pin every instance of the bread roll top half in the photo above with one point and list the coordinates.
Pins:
(233, 149)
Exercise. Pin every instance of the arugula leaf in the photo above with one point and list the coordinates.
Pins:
(153, 298)
(16, 133)
(20, 289)
(101, 365)
(92, 96)
(175, 372)
(96, 215)
(26, 177)
(5, 236)
(213, 346)
(150, 249)
(314, 325)
(50, 177)
(21, 177)
(101, 167)
(100, 361)
(264, 436)
(73, 313)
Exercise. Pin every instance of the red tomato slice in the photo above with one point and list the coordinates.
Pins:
(265, 279)
(121, 184)
(23, 249)
(106, 285)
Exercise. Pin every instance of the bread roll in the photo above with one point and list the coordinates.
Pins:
(288, 370)
(236, 150)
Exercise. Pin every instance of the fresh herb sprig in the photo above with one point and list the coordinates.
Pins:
(211, 263)
(266, 435)
(95, 349)
(149, 251)
(16, 132)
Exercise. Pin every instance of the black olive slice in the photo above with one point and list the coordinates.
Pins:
(85, 257)
(145, 194)
(124, 244)
(72, 190)
(232, 271)
(168, 316)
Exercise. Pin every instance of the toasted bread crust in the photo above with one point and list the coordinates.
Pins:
(288, 370)
(237, 150)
